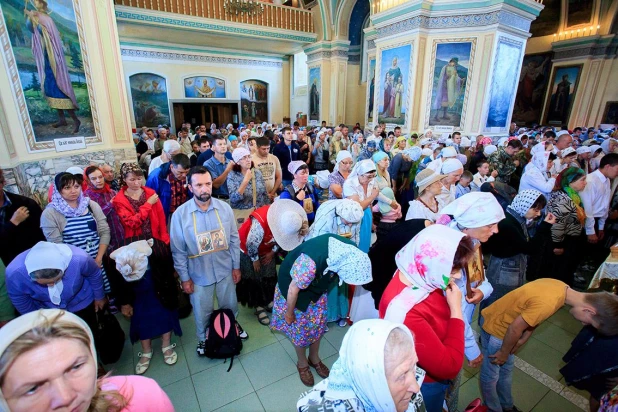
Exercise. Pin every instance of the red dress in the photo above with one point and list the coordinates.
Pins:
(133, 222)
(439, 340)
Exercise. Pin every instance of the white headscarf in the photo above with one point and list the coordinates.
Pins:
(342, 155)
(47, 255)
(362, 167)
(475, 209)
(524, 201)
(451, 165)
(489, 149)
(359, 372)
(351, 264)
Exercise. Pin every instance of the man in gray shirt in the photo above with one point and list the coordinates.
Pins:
(206, 251)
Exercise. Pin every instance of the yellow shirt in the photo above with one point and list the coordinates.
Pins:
(535, 302)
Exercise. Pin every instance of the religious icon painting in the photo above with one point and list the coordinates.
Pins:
(533, 82)
(204, 243)
(315, 83)
(475, 270)
(563, 87)
(254, 101)
(451, 73)
(371, 86)
(219, 242)
(393, 85)
(149, 96)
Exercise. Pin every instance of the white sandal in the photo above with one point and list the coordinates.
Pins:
(141, 368)
(170, 359)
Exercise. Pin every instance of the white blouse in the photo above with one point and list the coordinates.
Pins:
(418, 210)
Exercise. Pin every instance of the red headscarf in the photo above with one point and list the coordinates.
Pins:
(89, 184)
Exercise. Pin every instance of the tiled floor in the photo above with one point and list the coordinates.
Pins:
(264, 377)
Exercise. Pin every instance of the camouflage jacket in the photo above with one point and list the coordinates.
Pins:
(503, 163)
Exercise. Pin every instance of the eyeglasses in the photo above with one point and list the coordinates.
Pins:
(347, 163)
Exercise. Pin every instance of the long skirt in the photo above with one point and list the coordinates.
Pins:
(505, 275)
(365, 230)
(309, 326)
(256, 289)
(150, 319)
(338, 306)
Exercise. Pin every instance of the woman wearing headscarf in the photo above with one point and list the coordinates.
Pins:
(29, 352)
(536, 175)
(596, 154)
(55, 275)
(452, 169)
(402, 167)
(423, 297)
(147, 293)
(74, 219)
(246, 186)
(388, 380)
(139, 207)
(426, 206)
(609, 145)
(383, 178)
(400, 145)
(343, 167)
(300, 190)
(300, 303)
(341, 217)
(358, 146)
(563, 253)
(261, 237)
(362, 188)
(510, 247)
(100, 192)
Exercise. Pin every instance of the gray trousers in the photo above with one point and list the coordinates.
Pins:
(203, 302)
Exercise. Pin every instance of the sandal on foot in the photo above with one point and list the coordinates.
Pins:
(269, 308)
(262, 316)
(321, 369)
(141, 368)
(170, 359)
(306, 377)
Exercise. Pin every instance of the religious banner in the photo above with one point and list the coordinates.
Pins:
(564, 81)
(503, 84)
(315, 83)
(204, 87)
(452, 61)
(52, 74)
(393, 85)
(254, 101)
(149, 95)
(533, 82)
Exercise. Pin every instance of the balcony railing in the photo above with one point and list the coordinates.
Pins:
(378, 6)
(278, 17)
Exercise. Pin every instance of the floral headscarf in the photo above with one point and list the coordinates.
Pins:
(62, 206)
(350, 263)
(127, 168)
(540, 161)
(565, 178)
(426, 262)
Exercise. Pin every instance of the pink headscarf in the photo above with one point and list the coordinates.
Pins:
(426, 262)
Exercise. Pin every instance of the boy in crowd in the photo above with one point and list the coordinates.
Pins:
(463, 186)
(509, 322)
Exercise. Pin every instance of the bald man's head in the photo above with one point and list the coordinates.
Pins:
(564, 141)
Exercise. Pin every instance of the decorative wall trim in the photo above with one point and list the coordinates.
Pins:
(354, 59)
(457, 21)
(18, 94)
(168, 21)
(608, 50)
(232, 61)
(371, 44)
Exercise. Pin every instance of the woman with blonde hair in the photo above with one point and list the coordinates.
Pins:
(335, 146)
(33, 377)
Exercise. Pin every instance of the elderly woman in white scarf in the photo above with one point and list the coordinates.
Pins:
(388, 380)
(361, 187)
(446, 153)
(48, 362)
(452, 169)
(341, 217)
(537, 173)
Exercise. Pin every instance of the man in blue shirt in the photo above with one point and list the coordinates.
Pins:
(208, 153)
(287, 151)
(206, 267)
(219, 166)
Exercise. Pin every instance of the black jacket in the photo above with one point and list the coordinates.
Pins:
(16, 239)
(511, 239)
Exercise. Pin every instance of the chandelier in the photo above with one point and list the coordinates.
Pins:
(250, 7)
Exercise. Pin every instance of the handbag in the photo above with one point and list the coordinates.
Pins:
(476, 406)
(108, 337)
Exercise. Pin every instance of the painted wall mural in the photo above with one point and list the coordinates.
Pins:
(254, 101)
(315, 84)
(548, 21)
(564, 81)
(579, 12)
(205, 87)
(610, 114)
(393, 84)
(48, 55)
(503, 82)
(150, 104)
(533, 82)
(452, 62)
(371, 88)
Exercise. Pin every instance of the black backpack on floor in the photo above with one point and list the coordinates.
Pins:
(222, 337)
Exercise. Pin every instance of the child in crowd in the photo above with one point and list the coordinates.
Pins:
(482, 176)
(508, 323)
(463, 186)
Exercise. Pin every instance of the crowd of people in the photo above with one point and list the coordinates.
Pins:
(400, 236)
